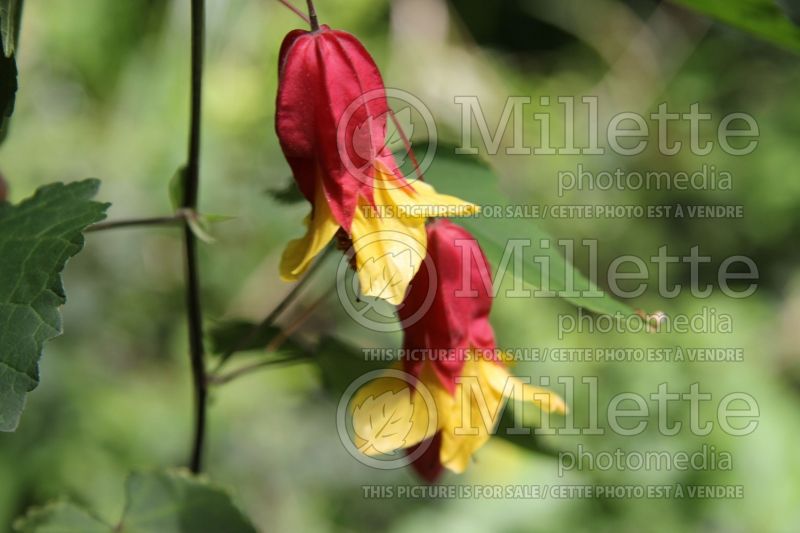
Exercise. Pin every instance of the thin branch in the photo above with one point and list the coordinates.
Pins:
(299, 321)
(239, 372)
(296, 11)
(273, 346)
(290, 328)
(275, 313)
(134, 222)
(191, 188)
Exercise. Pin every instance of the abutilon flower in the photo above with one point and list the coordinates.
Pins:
(450, 350)
(331, 123)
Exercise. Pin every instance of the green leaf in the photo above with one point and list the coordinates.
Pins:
(37, 237)
(211, 218)
(61, 517)
(470, 178)
(340, 364)
(792, 9)
(200, 227)
(763, 18)
(200, 224)
(289, 194)
(176, 188)
(10, 15)
(529, 442)
(171, 502)
(178, 503)
(235, 336)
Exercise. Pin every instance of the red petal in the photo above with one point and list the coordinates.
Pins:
(286, 45)
(322, 74)
(296, 109)
(455, 322)
(428, 465)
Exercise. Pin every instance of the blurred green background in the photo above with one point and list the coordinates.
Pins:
(103, 93)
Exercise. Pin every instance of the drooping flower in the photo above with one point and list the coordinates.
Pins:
(331, 123)
(450, 351)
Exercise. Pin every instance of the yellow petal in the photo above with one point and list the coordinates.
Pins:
(498, 377)
(320, 229)
(428, 203)
(388, 254)
(390, 241)
(475, 412)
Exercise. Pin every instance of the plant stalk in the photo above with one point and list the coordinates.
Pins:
(190, 195)
(312, 16)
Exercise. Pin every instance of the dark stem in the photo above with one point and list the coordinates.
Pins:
(195, 350)
(312, 16)
(191, 187)
(192, 176)
(134, 222)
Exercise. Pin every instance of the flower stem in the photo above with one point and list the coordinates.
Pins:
(407, 145)
(296, 11)
(191, 188)
(312, 16)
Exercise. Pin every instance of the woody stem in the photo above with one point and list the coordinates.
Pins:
(191, 187)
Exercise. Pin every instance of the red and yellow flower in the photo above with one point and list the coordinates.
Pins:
(449, 349)
(331, 123)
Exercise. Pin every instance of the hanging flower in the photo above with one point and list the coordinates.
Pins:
(450, 351)
(331, 123)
